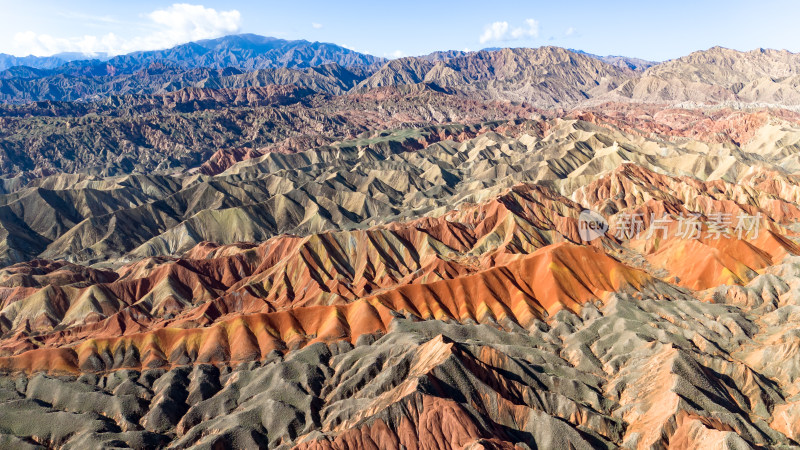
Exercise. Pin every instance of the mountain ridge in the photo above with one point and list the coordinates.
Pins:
(546, 77)
(243, 51)
(507, 249)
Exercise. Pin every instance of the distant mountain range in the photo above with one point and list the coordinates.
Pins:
(241, 51)
(250, 51)
(624, 62)
(175, 108)
(545, 77)
(45, 62)
(247, 52)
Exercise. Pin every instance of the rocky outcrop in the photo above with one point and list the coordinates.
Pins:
(719, 75)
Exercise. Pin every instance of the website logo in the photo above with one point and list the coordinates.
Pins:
(591, 225)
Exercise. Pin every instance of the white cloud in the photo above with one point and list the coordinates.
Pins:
(397, 54)
(316, 25)
(177, 24)
(494, 32)
(502, 31)
(182, 21)
(531, 29)
(570, 31)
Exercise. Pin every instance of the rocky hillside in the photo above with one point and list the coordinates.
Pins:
(720, 75)
(159, 78)
(183, 129)
(401, 309)
(547, 76)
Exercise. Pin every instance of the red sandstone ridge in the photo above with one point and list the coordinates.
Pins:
(708, 260)
(560, 276)
(222, 159)
(720, 125)
(481, 254)
(286, 272)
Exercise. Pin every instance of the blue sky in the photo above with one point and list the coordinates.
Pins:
(650, 30)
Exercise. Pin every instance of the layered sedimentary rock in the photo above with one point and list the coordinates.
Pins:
(719, 75)
(378, 178)
(244, 259)
(479, 320)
